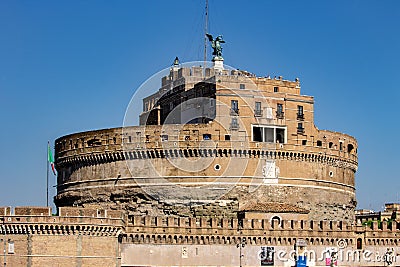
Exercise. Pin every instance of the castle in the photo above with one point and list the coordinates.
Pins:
(225, 169)
(254, 133)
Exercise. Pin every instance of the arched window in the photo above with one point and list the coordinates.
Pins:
(276, 221)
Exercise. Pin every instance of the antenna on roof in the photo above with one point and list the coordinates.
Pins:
(205, 37)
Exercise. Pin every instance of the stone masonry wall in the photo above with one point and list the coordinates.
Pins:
(213, 242)
(34, 238)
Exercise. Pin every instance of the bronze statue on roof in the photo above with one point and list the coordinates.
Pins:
(216, 45)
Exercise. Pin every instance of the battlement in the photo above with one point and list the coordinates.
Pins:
(198, 71)
(30, 211)
(213, 225)
(213, 231)
(203, 235)
(38, 220)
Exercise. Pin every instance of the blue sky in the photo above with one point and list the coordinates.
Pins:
(70, 66)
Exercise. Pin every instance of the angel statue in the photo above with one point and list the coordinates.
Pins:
(216, 45)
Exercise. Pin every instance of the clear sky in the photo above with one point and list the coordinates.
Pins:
(71, 66)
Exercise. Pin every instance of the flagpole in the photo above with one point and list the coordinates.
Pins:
(47, 175)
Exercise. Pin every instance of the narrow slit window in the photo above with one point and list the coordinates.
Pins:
(257, 111)
(300, 113)
(279, 111)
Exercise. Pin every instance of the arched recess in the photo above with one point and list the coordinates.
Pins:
(275, 221)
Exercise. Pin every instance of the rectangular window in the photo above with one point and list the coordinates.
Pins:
(269, 134)
(300, 110)
(257, 134)
(300, 114)
(234, 107)
(300, 128)
(279, 111)
(280, 135)
(258, 105)
(242, 86)
(258, 111)
(279, 108)
(234, 124)
(234, 104)
(164, 137)
(206, 136)
(276, 89)
(227, 137)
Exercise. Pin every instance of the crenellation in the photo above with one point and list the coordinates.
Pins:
(375, 226)
(40, 211)
(170, 221)
(255, 231)
(204, 222)
(5, 211)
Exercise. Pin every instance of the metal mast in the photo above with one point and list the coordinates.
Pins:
(205, 37)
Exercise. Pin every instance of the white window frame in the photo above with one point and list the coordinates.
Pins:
(270, 127)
